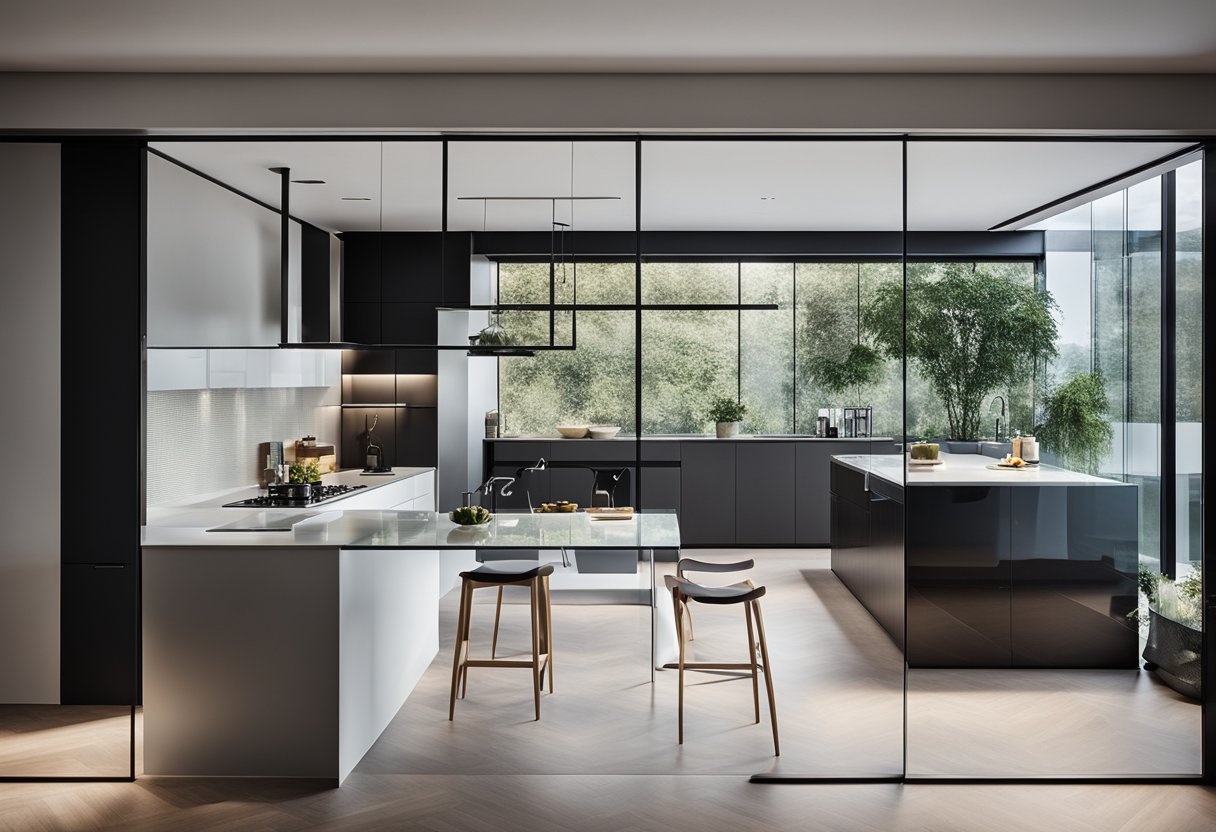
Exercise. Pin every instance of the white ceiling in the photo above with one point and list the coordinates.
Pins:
(686, 185)
(618, 36)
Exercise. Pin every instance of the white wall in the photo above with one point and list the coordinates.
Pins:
(213, 264)
(30, 423)
(588, 101)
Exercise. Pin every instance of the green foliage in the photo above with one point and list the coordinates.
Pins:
(970, 330)
(1075, 424)
(861, 366)
(724, 409)
(1180, 601)
(304, 472)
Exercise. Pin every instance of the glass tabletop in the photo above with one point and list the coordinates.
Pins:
(430, 530)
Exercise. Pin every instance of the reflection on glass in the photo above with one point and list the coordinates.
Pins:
(1188, 350)
(688, 359)
(766, 348)
(1027, 623)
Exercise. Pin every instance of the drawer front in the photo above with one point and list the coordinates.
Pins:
(519, 451)
(849, 484)
(591, 450)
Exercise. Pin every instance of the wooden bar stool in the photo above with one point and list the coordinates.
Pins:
(746, 593)
(499, 574)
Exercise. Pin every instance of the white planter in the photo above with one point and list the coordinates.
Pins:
(727, 429)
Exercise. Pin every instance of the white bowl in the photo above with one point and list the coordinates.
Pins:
(604, 431)
(572, 431)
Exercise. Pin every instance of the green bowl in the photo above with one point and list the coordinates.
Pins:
(924, 450)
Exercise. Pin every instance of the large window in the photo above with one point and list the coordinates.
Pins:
(783, 363)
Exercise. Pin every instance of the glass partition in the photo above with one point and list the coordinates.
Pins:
(1044, 639)
(754, 297)
(68, 603)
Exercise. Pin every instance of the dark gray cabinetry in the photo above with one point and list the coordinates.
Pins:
(764, 492)
(100, 609)
(707, 493)
(959, 577)
(812, 506)
(1074, 570)
(867, 545)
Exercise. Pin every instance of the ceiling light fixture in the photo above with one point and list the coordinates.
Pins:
(356, 199)
(308, 181)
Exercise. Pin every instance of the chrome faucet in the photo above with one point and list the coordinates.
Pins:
(1000, 420)
(487, 488)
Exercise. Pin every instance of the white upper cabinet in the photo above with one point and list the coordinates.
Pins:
(226, 369)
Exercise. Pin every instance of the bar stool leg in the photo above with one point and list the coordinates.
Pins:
(497, 615)
(457, 665)
(768, 678)
(751, 649)
(688, 613)
(548, 633)
(534, 586)
(680, 638)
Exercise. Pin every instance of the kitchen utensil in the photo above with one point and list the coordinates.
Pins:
(603, 431)
(573, 431)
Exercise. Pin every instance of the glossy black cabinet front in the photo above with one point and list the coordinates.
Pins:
(959, 577)
(1021, 576)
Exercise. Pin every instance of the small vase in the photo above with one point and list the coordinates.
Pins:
(726, 430)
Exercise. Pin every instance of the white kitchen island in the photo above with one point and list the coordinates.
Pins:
(286, 654)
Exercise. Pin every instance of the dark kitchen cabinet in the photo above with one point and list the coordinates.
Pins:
(707, 493)
(866, 530)
(812, 503)
(764, 492)
(959, 577)
(1074, 577)
(98, 634)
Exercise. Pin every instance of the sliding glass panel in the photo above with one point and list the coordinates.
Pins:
(1034, 649)
(68, 601)
(1188, 378)
(731, 404)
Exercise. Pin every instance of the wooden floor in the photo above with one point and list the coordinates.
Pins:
(65, 741)
(604, 755)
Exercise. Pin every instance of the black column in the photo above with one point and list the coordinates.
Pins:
(103, 320)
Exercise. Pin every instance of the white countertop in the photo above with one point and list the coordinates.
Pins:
(205, 510)
(337, 529)
(965, 469)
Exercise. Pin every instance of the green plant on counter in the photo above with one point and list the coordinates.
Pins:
(1074, 422)
(304, 472)
(970, 330)
(725, 409)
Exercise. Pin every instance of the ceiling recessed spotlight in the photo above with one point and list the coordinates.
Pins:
(766, 198)
(309, 181)
(356, 199)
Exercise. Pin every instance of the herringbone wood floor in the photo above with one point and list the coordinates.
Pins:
(604, 754)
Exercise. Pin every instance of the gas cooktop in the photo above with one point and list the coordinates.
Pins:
(324, 494)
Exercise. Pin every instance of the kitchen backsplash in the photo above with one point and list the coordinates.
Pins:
(201, 441)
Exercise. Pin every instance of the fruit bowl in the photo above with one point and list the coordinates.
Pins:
(470, 516)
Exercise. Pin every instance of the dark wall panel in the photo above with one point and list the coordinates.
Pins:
(103, 288)
(314, 284)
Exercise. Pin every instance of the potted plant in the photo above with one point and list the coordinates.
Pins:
(970, 331)
(1175, 629)
(726, 414)
(1074, 425)
(305, 472)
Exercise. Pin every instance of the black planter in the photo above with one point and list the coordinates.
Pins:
(1173, 652)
